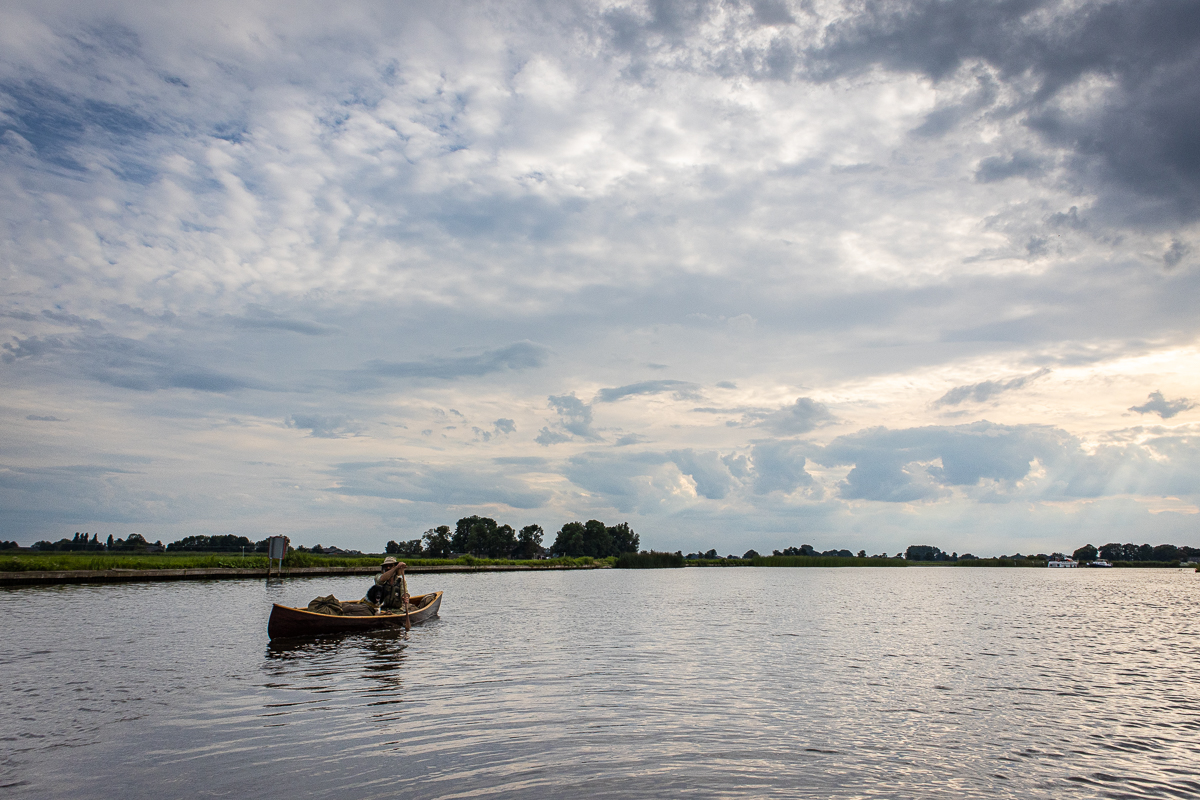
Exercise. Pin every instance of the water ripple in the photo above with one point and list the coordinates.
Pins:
(857, 683)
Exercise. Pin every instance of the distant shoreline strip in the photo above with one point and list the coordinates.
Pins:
(216, 573)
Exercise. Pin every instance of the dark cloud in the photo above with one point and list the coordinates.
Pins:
(772, 12)
(337, 426)
(574, 419)
(1175, 254)
(1019, 164)
(38, 418)
(982, 392)
(547, 437)
(125, 363)
(1158, 404)
(257, 317)
(628, 439)
(1137, 137)
(399, 479)
(682, 390)
(57, 124)
(895, 465)
(501, 427)
(514, 357)
(916, 464)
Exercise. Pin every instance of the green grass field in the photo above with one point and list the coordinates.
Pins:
(45, 562)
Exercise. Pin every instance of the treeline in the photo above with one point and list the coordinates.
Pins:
(484, 537)
(1134, 553)
(133, 543)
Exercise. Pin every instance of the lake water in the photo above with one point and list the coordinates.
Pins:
(917, 682)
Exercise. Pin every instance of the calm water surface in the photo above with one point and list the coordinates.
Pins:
(920, 683)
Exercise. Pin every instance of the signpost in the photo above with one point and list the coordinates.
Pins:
(276, 549)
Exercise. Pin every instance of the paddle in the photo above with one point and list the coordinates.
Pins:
(407, 604)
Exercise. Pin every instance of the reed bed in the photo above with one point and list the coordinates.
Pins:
(651, 560)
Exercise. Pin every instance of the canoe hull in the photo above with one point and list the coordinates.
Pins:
(287, 621)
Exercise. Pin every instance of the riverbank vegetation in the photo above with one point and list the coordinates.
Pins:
(827, 561)
(52, 562)
(649, 560)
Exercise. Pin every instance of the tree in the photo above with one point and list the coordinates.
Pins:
(862, 553)
(711, 554)
(802, 550)
(1085, 553)
(529, 542)
(624, 540)
(597, 541)
(1166, 552)
(924, 552)
(497, 541)
(392, 547)
(569, 540)
(1112, 552)
(471, 532)
(438, 542)
(750, 554)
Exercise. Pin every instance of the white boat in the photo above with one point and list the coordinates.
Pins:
(1100, 562)
(1066, 563)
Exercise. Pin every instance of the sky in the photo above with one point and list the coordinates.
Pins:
(744, 274)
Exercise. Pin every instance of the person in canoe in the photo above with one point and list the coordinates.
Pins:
(390, 591)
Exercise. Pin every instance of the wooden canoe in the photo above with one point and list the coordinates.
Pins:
(287, 621)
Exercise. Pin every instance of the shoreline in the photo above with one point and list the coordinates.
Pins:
(73, 576)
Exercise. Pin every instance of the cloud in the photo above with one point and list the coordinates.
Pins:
(38, 418)
(997, 464)
(711, 475)
(124, 363)
(1158, 404)
(804, 415)
(801, 416)
(547, 437)
(1175, 253)
(500, 427)
(257, 317)
(682, 390)
(779, 467)
(399, 479)
(574, 419)
(337, 426)
(898, 465)
(650, 482)
(514, 357)
(982, 392)
(1019, 165)
(1131, 139)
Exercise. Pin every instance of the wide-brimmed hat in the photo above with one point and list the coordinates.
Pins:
(387, 562)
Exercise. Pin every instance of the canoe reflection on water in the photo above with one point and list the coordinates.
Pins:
(377, 656)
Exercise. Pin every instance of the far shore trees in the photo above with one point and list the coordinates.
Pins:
(437, 542)
(594, 539)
